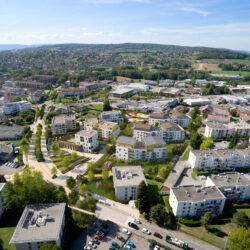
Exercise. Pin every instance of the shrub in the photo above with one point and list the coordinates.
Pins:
(206, 172)
(190, 222)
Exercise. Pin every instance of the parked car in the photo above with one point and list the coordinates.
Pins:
(130, 243)
(157, 248)
(92, 244)
(146, 231)
(127, 246)
(119, 237)
(98, 237)
(133, 225)
(87, 248)
(151, 246)
(125, 231)
(95, 241)
(112, 248)
(158, 235)
(116, 245)
(137, 221)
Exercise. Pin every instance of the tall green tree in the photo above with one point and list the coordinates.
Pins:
(241, 219)
(73, 197)
(70, 183)
(196, 141)
(54, 147)
(88, 204)
(239, 239)
(158, 214)
(142, 198)
(206, 220)
(206, 144)
(106, 105)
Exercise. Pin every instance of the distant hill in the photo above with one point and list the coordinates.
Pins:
(5, 47)
(124, 47)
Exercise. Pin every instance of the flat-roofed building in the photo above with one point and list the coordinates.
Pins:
(210, 159)
(39, 225)
(91, 124)
(195, 201)
(172, 132)
(30, 85)
(87, 139)
(111, 116)
(197, 101)
(122, 92)
(180, 118)
(235, 186)
(108, 130)
(66, 92)
(157, 118)
(126, 181)
(142, 130)
(61, 124)
(11, 133)
(15, 107)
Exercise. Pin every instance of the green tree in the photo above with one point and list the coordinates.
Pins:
(61, 195)
(233, 112)
(162, 172)
(105, 174)
(54, 170)
(54, 147)
(65, 162)
(61, 154)
(74, 156)
(82, 220)
(206, 220)
(158, 214)
(73, 197)
(196, 141)
(106, 105)
(82, 188)
(206, 144)
(25, 150)
(90, 176)
(239, 239)
(142, 198)
(233, 141)
(88, 204)
(50, 247)
(224, 101)
(241, 219)
(70, 183)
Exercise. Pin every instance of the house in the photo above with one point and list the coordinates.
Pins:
(234, 185)
(126, 181)
(218, 119)
(172, 132)
(210, 159)
(61, 124)
(39, 225)
(87, 139)
(195, 201)
(45, 78)
(36, 96)
(151, 148)
(108, 130)
(111, 116)
(66, 92)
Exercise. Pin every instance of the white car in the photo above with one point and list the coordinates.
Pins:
(92, 244)
(125, 231)
(137, 221)
(157, 248)
(146, 231)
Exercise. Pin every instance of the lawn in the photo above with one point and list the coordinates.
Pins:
(244, 73)
(16, 143)
(5, 234)
(185, 156)
(93, 111)
(105, 189)
(132, 54)
(59, 161)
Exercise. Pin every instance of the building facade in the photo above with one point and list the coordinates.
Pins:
(15, 107)
(61, 124)
(87, 139)
(108, 130)
(172, 132)
(111, 116)
(195, 201)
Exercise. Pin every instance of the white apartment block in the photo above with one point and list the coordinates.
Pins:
(74, 91)
(87, 139)
(235, 186)
(141, 130)
(39, 225)
(126, 181)
(172, 132)
(108, 130)
(217, 130)
(151, 148)
(157, 118)
(195, 201)
(61, 124)
(209, 159)
(15, 107)
(91, 124)
(111, 116)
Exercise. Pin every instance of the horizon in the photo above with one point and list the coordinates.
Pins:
(215, 24)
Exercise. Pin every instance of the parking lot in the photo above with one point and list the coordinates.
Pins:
(9, 170)
(114, 230)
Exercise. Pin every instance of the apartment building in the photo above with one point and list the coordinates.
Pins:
(108, 130)
(209, 159)
(36, 96)
(172, 132)
(66, 92)
(235, 186)
(39, 225)
(45, 78)
(151, 148)
(30, 85)
(126, 181)
(157, 118)
(142, 130)
(91, 124)
(15, 107)
(217, 130)
(180, 119)
(61, 124)
(195, 201)
(87, 139)
(94, 85)
(111, 116)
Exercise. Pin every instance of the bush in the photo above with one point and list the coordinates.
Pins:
(190, 222)
(200, 172)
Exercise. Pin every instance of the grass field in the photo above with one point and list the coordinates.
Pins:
(132, 54)
(6, 234)
(185, 156)
(231, 72)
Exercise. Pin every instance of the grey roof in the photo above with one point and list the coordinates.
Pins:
(126, 140)
(152, 140)
(121, 91)
(158, 116)
(10, 131)
(87, 133)
(62, 119)
(39, 222)
(230, 179)
(169, 125)
(142, 126)
(198, 193)
(128, 176)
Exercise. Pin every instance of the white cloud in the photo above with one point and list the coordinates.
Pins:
(195, 10)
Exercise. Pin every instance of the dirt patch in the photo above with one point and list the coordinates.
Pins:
(207, 66)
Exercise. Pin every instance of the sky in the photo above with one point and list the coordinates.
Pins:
(210, 23)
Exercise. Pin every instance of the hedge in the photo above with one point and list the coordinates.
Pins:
(242, 205)
(200, 172)
(151, 177)
(190, 222)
